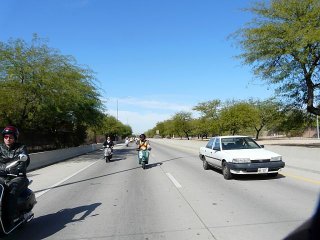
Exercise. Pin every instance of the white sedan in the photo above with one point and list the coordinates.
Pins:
(239, 155)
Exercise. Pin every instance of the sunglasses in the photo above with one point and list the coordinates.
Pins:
(8, 137)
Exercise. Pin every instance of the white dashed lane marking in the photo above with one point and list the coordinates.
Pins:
(175, 182)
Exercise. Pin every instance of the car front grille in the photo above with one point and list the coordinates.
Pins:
(260, 160)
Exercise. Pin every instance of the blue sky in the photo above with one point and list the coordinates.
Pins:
(152, 58)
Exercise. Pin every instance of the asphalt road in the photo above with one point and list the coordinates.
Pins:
(174, 198)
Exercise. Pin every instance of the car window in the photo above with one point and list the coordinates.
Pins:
(217, 143)
(210, 143)
(227, 143)
(251, 143)
(238, 143)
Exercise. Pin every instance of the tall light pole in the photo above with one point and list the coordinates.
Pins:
(318, 125)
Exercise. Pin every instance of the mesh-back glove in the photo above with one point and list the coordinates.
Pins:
(3, 169)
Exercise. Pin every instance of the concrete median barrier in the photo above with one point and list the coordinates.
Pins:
(42, 159)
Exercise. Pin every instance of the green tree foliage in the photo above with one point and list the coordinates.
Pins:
(269, 113)
(110, 126)
(45, 91)
(209, 109)
(293, 122)
(282, 43)
(162, 127)
(182, 123)
(237, 117)
(208, 123)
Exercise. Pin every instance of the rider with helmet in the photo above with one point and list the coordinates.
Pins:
(108, 143)
(10, 150)
(143, 144)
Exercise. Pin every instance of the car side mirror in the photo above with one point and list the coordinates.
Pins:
(262, 146)
(216, 148)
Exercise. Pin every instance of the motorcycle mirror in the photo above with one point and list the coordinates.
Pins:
(23, 157)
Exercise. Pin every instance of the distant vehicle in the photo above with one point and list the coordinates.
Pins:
(239, 155)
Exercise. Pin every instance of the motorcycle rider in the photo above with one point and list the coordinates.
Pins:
(126, 141)
(109, 143)
(143, 144)
(10, 150)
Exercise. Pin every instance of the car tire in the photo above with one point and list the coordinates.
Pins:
(226, 171)
(205, 163)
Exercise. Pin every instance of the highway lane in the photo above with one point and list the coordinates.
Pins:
(248, 207)
(85, 198)
(118, 200)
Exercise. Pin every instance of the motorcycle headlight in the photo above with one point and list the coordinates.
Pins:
(241, 160)
(277, 158)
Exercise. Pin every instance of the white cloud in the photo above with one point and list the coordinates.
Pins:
(148, 104)
(143, 114)
(140, 122)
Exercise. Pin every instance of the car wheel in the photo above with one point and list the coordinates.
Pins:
(205, 164)
(226, 171)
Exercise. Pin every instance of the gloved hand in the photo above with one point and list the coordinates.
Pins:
(18, 170)
(3, 169)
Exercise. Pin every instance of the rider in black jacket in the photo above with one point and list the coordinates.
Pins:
(109, 143)
(10, 151)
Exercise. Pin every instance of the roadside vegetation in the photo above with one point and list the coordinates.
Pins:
(50, 97)
(237, 117)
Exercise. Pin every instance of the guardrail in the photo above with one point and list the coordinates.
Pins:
(43, 159)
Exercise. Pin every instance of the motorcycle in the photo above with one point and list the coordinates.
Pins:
(143, 156)
(26, 202)
(107, 153)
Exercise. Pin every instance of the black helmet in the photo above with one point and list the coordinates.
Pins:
(11, 130)
(142, 136)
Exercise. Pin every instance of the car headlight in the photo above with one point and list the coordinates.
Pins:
(241, 160)
(278, 158)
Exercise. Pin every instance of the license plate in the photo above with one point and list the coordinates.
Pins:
(263, 170)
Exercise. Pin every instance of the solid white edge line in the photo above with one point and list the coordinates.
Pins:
(175, 182)
(58, 183)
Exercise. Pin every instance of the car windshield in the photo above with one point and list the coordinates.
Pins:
(238, 143)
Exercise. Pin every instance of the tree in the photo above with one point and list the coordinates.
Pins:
(182, 123)
(237, 117)
(293, 121)
(209, 109)
(209, 120)
(268, 113)
(283, 45)
(44, 90)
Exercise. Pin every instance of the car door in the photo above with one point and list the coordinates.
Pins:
(216, 154)
(208, 151)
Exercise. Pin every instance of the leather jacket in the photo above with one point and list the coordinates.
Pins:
(8, 155)
(108, 143)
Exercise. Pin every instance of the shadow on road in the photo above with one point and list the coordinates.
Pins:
(47, 225)
(152, 165)
(248, 177)
(257, 177)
